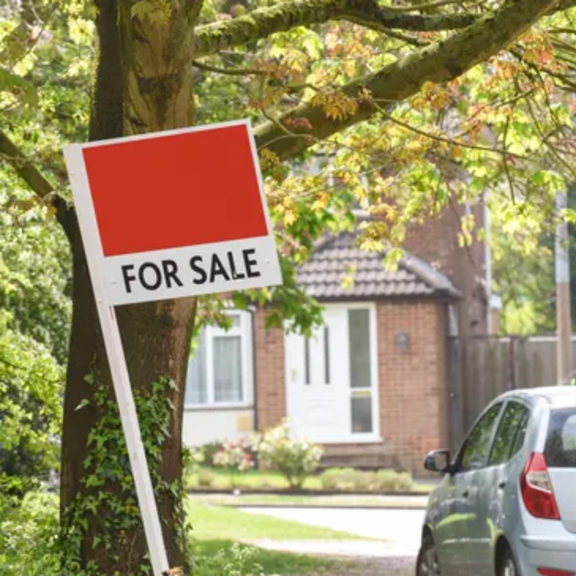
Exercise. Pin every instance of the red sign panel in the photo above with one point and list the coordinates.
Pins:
(177, 190)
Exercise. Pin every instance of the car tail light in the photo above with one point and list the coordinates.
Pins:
(537, 490)
(551, 572)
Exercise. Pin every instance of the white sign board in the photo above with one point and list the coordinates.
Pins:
(174, 214)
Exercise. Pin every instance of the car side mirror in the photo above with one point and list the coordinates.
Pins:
(438, 461)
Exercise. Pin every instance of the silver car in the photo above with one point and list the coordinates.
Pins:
(507, 503)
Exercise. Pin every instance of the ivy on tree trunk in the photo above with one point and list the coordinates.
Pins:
(143, 84)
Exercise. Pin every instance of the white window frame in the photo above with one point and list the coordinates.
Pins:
(374, 436)
(244, 331)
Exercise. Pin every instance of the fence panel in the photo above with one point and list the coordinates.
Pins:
(480, 368)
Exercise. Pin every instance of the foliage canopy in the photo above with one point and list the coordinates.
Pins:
(402, 109)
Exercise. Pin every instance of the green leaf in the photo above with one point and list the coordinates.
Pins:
(21, 88)
(82, 404)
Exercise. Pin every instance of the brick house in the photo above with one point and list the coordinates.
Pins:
(370, 386)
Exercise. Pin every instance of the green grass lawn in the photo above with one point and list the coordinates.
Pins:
(271, 562)
(219, 523)
(217, 529)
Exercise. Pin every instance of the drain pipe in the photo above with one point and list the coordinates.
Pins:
(487, 265)
(252, 311)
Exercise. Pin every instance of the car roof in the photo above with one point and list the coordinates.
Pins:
(556, 396)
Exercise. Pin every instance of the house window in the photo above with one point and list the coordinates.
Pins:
(360, 355)
(307, 361)
(227, 360)
(196, 384)
(219, 366)
(359, 348)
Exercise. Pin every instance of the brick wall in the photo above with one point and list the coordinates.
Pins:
(413, 382)
(269, 372)
(412, 387)
(436, 241)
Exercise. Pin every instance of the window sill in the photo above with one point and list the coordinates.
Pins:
(359, 439)
(219, 406)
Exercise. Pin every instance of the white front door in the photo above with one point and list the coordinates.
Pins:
(331, 378)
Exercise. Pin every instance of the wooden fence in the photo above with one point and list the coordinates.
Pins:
(483, 367)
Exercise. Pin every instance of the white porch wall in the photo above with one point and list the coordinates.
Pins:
(202, 426)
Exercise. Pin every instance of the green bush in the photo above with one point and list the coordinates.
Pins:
(294, 458)
(391, 481)
(30, 410)
(210, 450)
(234, 456)
(366, 482)
(338, 479)
(29, 544)
(237, 560)
(350, 480)
(206, 478)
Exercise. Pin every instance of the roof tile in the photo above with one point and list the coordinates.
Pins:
(323, 275)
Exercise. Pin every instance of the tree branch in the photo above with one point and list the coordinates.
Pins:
(440, 62)
(229, 71)
(263, 22)
(407, 38)
(36, 181)
(24, 168)
(451, 141)
(424, 6)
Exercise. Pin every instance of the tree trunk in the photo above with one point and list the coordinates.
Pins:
(143, 84)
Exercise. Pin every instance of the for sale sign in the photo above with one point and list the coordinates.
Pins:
(174, 214)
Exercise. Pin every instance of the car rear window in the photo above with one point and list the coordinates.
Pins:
(561, 443)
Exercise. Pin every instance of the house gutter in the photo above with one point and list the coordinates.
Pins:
(430, 275)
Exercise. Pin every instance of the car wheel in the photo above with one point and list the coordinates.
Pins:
(507, 565)
(427, 562)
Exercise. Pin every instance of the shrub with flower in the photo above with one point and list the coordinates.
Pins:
(294, 458)
(235, 456)
(192, 459)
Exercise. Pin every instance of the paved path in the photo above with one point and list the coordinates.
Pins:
(387, 567)
(394, 532)
(338, 549)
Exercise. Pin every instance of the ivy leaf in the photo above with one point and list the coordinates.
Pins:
(82, 404)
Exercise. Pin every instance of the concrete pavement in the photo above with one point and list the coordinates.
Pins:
(388, 533)
(370, 567)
